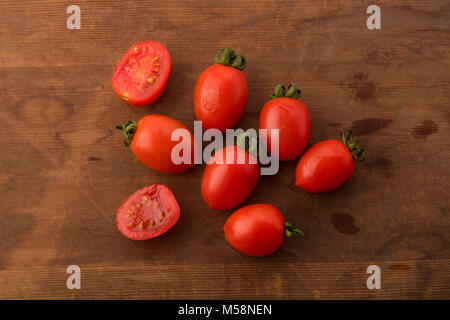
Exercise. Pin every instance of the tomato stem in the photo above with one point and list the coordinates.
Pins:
(292, 91)
(227, 57)
(128, 130)
(352, 145)
(248, 142)
(291, 231)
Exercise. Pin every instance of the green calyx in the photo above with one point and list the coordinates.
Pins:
(352, 145)
(227, 57)
(291, 231)
(248, 142)
(292, 91)
(128, 130)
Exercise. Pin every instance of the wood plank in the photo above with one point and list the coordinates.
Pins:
(64, 170)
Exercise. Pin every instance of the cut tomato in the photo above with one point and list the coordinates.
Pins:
(141, 74)
(148, 213)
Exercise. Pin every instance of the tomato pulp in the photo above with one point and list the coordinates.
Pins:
(141, 74)
(148, 213)
(221, 92)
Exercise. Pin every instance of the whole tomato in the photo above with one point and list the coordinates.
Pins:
(328, 164)
(224, 184)
(150, 141)
(291, 117)
(258, 230)
(221, 92)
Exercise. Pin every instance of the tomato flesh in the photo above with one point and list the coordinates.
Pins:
(141, 74)
(255, 230)
(148, 213)
(291, 117)
(225, 185)
(324, 167)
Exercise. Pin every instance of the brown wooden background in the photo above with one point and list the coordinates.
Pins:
(64, 170)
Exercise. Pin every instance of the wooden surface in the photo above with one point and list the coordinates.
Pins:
(64, 170)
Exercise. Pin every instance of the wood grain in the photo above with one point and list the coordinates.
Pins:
(64, 170)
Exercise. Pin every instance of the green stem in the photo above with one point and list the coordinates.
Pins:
(128, 130)
(292, 91)
(227, 57)
(248, 142)
(291, 231)
(352, 145)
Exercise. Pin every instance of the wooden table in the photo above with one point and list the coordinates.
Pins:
(64, 170)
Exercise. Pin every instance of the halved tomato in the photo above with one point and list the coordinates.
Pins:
(148, 213)
(141, 74)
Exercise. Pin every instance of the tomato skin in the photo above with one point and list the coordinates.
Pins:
(131, 78)
(324, 167)
(152, 144)
(255, 230)
(220, 97)
(292, 118)
(145, 205)
(224, 186)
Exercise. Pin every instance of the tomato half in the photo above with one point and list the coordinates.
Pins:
(257, 230)
(328, 164)
(291, 117)
(221, 92)
(150, 141)
(141, 74)
(148, 213)
(225, 185)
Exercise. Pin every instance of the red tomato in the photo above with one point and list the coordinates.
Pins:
(257, 230)
(291, 117)
(221, 92)
(225, 185)
(141, 74)
(150, 141)
(148, 213)
(328, 164)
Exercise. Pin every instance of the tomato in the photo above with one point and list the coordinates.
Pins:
(291, 117)
(141, 74)
(225, 185)
(150, 141)
(148, 213)
(257, 230)
(328, 164)
(221, 92)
